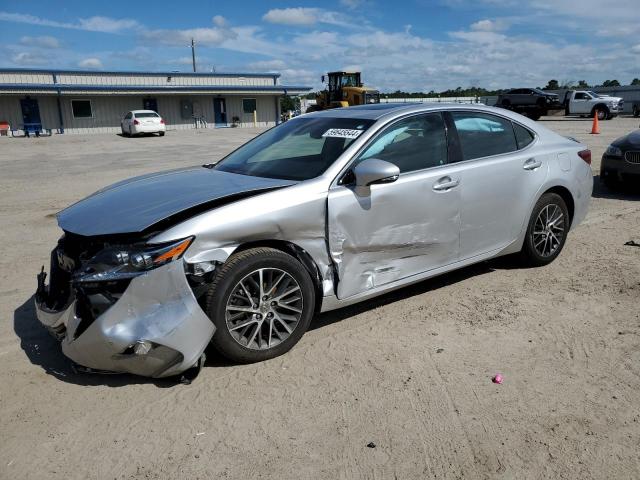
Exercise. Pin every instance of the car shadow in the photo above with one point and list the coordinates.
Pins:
(622, 191)
(44, 351)
(508, 262)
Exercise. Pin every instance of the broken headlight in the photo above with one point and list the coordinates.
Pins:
(117, 263)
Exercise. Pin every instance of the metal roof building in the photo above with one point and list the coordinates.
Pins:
(70, 101)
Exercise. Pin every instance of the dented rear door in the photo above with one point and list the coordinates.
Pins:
(400, 229)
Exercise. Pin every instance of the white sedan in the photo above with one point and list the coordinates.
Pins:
(142, 121)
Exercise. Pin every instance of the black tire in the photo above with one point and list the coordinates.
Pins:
(529, 253)
(603, 112)
(636, 111)
(124, 134)
(236, 269)
(534, 115)
(161, 134)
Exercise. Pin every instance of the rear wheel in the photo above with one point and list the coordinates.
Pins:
(636, 110)
(161, 134)
(261, 302)
(547, 230)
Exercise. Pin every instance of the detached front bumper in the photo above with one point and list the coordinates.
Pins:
(155, 329)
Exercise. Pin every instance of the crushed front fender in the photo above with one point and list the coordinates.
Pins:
(155, 329)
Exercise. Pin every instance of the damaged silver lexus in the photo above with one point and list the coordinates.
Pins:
(323, 211)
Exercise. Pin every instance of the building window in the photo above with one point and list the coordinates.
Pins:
(81, 108)
(249, 105)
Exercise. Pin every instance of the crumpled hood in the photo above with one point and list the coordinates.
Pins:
(134, 205)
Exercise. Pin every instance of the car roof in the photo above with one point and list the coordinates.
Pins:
(380, 110)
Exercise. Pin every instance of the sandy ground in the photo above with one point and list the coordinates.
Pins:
(410, 371)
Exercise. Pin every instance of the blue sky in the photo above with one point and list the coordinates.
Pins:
(415, 45)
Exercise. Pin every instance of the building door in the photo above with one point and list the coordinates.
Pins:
(30, 111)
(150, 104)
(220, 111)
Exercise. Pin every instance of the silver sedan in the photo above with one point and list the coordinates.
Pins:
(323, 211)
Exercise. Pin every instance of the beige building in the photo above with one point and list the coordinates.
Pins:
(85, 101)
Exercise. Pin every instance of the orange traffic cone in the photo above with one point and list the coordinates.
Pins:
(595, 129)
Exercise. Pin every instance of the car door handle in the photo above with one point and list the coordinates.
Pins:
(532, 164)
(445, 183)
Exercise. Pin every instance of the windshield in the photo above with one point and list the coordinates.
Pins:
(593, 94)
(299, 149)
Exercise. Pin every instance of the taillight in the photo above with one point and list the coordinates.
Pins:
(136, 122)
(585, 155)
(162, 121)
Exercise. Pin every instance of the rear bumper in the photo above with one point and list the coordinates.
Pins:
(155, 329)
(148, 128)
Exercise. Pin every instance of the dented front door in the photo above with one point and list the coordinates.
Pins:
(398, 230)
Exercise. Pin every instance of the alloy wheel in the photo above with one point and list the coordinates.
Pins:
(264, 308)
(548, 230)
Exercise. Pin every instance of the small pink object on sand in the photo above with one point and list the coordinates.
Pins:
(497, 379)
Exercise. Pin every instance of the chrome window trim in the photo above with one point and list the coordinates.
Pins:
(335, 182)
(372, 137)
(535, 136)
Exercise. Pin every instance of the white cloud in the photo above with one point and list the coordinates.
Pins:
(94, 24)
(91, 63)
(28, 59)
(292, 16)
(351, 4)
(219, 21)
(205, 36)
(108, 25)
(303, 16)
(268, 65)
(44, 41)
(636, 48)
(487, 25)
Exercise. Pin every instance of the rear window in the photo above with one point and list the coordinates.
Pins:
(483, 135)
(523, 135)
(147, 115)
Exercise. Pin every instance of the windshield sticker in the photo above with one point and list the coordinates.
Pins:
(342, 133)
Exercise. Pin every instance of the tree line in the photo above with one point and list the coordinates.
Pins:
(483, 92)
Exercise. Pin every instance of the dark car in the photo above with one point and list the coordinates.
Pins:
(621, 160)
(531, 102)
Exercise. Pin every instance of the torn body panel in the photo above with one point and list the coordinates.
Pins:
(395, 231)
(295, 215)
(102, 323)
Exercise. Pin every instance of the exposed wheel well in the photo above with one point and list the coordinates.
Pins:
(567, 197)
(297, 252)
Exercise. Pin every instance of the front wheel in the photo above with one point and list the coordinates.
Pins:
(603, 113)
(261, 302)
(161, 134)
(547, 230)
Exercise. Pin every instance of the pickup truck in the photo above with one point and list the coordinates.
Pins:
(531, 102)
(586, 103)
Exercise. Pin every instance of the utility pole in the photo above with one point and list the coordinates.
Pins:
(193, 54)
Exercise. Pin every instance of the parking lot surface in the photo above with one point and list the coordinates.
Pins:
(408, 373)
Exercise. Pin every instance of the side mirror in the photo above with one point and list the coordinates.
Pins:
(373, 171)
